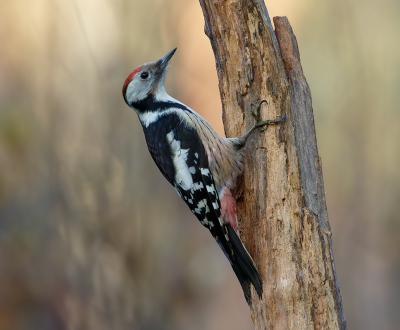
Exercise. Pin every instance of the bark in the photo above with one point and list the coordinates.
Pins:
(281, 201)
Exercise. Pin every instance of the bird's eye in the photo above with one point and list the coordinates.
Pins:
(144, 75)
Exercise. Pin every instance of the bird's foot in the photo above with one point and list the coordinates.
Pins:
(263, 125)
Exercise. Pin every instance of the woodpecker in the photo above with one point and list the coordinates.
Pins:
(202, 166)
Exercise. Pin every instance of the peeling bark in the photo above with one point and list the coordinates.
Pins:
(281, 201)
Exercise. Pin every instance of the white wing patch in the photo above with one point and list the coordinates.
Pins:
(198, 186)
(183, 177)
(200, 206)
(205, 171)
(211, 189)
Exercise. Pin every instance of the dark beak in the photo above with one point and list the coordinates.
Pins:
(163, 62)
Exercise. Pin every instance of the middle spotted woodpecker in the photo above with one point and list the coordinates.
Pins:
(202, 166)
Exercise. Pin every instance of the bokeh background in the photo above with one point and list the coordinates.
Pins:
(93, 237)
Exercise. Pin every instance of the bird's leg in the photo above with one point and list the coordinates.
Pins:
(265, 123)
(241, 140)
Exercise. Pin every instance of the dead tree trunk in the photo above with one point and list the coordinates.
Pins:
(281, 202)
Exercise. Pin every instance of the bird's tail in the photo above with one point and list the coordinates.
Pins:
(244, 267)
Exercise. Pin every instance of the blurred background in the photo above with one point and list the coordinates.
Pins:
(93, 237)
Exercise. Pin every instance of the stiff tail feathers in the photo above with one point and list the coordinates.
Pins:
(243, 266)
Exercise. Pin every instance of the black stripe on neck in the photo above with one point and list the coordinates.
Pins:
(151, 104)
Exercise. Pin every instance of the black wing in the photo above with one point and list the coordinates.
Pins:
(180, 155)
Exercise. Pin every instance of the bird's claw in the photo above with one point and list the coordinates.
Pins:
(265, 123)
(256, 114)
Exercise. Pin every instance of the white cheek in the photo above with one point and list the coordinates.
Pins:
(137, 90)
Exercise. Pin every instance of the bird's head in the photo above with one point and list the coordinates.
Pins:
(146, 81)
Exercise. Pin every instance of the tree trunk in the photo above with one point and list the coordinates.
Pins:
(281, 201)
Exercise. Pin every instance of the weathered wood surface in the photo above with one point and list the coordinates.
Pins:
(281, 202)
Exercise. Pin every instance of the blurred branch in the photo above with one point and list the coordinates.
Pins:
(281, 203)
